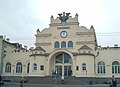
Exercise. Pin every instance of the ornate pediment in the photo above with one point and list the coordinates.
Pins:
(85, 47)
(39, 49)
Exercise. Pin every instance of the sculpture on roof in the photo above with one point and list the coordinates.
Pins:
(63, 17)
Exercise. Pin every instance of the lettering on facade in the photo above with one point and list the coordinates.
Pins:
(63, 27)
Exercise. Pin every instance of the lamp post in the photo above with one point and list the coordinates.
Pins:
(55, 77)
(1, 81)
(22, 81)
(86, 77)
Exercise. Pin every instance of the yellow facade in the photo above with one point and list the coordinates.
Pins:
(65, 48)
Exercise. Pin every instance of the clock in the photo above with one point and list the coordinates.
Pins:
(63, 34)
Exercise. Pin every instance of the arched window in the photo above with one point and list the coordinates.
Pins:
(63, 58)
(28, 67)
(56, 45)
(63, 44)
(83, 66)
(115, 67)
(70, 44)
(101, 67)
(34, 66)
(8, 67)
(19, 67)
(67, 58)
(59, 58)
(63, 61)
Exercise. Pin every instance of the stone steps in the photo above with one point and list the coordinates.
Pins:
(49, 80)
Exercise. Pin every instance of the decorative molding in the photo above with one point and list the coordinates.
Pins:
(85, 42)
(43, 35)
(60, 24)
(85, 33)
(43, 44)
(63, 27)
(75, 54)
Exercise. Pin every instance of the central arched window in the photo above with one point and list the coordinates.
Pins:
(115, 67)
(101, 67)
(63, 58)
(19, 67)
(8, 67)
(63, 64)
(70, 44)
(63, 44)
(56, 45)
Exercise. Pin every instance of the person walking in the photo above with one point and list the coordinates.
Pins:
(62, 78)
(113, 82)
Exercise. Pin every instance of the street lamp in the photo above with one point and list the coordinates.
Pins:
(1, 81)
(55, 76)
(86, 77)
(22, 81)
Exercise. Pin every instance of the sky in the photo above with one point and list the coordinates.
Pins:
(19, 19)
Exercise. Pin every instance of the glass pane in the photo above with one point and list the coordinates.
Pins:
(112, 69)
(70, 44)
(58, 70)
(67, 70)
(59, 58)
(115, 63)
(63, 44)
(119, 69)
(67, 58)
(56, 44)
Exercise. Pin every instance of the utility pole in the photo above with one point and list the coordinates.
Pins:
(86, 78)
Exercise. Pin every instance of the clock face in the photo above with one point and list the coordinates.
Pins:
(63, 34)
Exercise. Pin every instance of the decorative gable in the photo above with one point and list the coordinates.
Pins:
(39, 50)
(85, 49)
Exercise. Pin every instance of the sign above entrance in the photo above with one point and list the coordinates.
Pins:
(63, 27)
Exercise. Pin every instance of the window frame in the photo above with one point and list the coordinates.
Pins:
(19, 67)
(8, 67)
(41, 67)
(63, 44)
(84, 68)
(70, 44)
(56, 44)
(101, 67)
(35, 67)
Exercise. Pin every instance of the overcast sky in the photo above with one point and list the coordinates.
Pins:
(19, 19)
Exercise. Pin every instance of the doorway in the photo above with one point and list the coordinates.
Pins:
(63, 63)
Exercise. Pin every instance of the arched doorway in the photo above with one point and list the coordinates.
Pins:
(63, 64)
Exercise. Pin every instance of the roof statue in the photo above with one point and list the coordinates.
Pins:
(63, 17)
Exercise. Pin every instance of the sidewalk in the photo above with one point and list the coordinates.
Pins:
(12, 84)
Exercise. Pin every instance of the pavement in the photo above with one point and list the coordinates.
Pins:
(11, 84)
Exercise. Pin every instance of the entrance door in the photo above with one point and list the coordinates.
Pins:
(67, 70)
(63, 64)
(58, 70)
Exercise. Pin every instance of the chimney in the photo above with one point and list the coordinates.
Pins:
(8, 39)
(25, 47)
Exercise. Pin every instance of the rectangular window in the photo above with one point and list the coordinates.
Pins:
(35, 66)
(41, 67)
(77, 68)
(83, 68)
